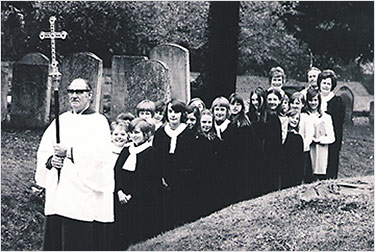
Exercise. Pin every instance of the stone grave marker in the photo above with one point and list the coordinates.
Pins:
(135, 78)
(4, 89)
(84, 65)
(371, 114)
(348, 98)
(176, 58)
(31, 92)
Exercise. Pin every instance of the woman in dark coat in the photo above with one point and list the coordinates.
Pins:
(138, 188)
(334, 106)
(293, 156)
(175, 149)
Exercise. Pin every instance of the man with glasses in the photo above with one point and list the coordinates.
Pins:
(79, 201)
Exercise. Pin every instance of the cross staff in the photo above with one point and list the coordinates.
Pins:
(54, 71)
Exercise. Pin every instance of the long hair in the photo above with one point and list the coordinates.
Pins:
(276, 92)
(197, 114)
(309, 95)
(254, 114)
(240, 120)
(211, 135)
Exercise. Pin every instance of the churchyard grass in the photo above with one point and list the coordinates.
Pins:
(22, 218)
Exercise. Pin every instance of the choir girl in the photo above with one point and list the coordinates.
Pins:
(193, 118)
(159, 114)
(277, 78)
(145, 109)
(198, 103)
(174, 144)
(137, 193)
(333, 105)
(292, 171)
(257, 112)
(126, 118)
(323, 134)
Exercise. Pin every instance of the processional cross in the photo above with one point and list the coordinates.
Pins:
(54, 72)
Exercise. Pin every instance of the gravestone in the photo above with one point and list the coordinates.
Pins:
(371, 114)
(31, 92)
(348, 98)
(4, 89)
(135, 78)
(84, 65)
(176, 58)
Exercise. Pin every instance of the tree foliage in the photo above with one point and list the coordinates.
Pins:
(338, 30)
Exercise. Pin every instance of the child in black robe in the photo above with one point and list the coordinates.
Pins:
(138, 188)
(175, 148)
(292, 171)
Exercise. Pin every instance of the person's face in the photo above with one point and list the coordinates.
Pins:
(137, 136)
(326, 86)
(235, 107)
(206, 123)
(293, 120)
(145, 114)
(174, 118)
(254, 101)
(314, 103)
(296, 104)
(119, 137)
(273, 101)
(277, 81)
(79, 95)
(312, 77)
(158, 116)
(220, 114)
(191, 120)
(285, 105)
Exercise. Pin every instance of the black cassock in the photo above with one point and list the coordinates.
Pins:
(336, 108)
(178, 171)
(140, 218)
(293, 161)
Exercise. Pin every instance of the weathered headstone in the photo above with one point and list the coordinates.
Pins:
(371, 114)
(31, 92)
(348, 98)
(4, 89)
(135, 78)
(84, 65)
(176, 58)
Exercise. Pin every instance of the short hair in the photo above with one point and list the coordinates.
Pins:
(177, 106)
(116, 124)
(159, 106)
(195, 110)
(328, 74)
(313, 69)
(145, 105)
(223, 102)
(197, 99)
(298, 96)
(277, 71)
(125, 117)
(311, 92)
(146, 126)
(84, 80)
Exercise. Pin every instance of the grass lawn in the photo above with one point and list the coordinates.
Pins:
(276, 221)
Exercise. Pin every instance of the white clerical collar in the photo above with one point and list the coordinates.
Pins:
(131, 162)
(173, 134)
(221, 128)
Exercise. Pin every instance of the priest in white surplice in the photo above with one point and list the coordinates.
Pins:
(79, 201)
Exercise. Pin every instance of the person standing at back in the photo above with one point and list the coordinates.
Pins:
(77, 205)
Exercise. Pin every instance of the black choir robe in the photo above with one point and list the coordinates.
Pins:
(139, 219)
(335, 108)
(272, 147)
(293, 161)
(178, 171)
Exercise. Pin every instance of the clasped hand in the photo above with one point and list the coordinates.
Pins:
(59, 154)
(123, 198)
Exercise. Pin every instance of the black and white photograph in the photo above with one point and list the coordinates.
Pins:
(187, 125)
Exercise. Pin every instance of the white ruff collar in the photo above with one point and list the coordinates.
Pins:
(221, 128)
(131, 162)
(325, 100)
(173, 134)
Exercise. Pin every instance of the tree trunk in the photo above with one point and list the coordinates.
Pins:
(222, 52)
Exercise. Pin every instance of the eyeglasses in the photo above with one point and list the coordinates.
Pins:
(77, 91)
